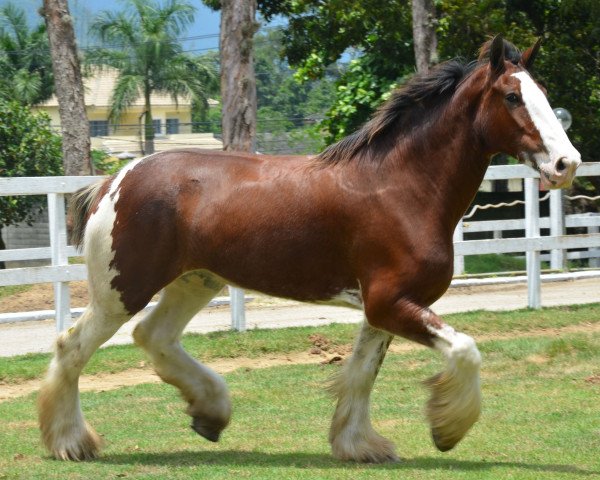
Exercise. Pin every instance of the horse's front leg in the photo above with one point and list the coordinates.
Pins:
(455, 401)
(351, 435)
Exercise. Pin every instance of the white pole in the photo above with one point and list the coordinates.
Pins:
(459, 260)
(532, 230)
(557, 227)
(238, 314)
(58, 252)
(594, 262)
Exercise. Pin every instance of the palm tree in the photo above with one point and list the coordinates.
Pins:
(141, 42)
(24, 58)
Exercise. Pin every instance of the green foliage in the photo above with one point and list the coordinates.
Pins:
(24, 58)
(379, 34)
(493, 263)
(279, 90)
(288, 109)
(105, 164)
(28, 148)
(570, 65)
(359, 93)
(207, 119)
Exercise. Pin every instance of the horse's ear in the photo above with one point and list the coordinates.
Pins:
(529, 55)
(497, 55)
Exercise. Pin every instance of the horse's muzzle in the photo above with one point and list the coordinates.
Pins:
(559, 173)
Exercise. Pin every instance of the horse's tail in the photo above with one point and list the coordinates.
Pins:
(79, 210)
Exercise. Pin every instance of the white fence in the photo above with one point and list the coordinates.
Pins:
(60, 272)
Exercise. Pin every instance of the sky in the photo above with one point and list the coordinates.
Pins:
(206, 21)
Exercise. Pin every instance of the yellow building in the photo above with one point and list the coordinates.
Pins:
(172, 121)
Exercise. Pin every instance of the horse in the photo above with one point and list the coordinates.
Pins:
(366, 224)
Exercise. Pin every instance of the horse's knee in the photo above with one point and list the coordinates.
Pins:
(141, 335)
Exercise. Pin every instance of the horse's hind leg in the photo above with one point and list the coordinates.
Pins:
(351, 435)
(159, 334)
(64, 430)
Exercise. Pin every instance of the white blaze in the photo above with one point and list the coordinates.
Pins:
(554, 137)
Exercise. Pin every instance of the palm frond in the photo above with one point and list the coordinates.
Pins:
(127, 90)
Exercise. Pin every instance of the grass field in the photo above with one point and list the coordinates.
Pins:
(540, 420)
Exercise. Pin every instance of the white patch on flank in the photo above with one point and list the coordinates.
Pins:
(346, 298)
(554, 137)
(97, 245)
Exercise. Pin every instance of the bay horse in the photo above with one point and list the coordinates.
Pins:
(366, 224)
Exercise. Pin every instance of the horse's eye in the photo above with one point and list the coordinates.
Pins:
(513, 98)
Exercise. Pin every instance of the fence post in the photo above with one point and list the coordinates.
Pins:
(532, 230)
(238, 314)
(594, 262)
(459, 260)
(557, 228)
(58, 251)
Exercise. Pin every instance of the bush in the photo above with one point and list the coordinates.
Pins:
(28, 148)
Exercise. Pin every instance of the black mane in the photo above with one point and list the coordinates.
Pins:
(409, 105)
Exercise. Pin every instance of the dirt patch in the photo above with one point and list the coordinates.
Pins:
(324, 346)
(136, 376)
(41, 297)
(593, 379)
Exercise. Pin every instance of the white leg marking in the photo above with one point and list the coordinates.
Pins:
(159, 334)
(351, 435)
(64, 430)
(455, 402)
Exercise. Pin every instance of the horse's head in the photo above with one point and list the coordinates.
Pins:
(519, 120)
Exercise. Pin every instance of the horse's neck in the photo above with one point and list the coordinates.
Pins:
(448, 163)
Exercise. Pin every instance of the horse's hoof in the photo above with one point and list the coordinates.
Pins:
(207, 431)
(374, 449)
(442, 444)
(87, 447)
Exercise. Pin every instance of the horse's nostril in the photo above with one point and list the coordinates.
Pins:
(561, 165)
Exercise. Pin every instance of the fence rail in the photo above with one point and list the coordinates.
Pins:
(60, 272)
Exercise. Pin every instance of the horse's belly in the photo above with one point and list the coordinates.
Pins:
(313, 279)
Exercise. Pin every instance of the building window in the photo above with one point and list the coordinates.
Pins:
(157, 127)
(98, 128)
(172, 125)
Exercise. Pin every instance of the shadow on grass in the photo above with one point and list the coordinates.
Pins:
(316, 460)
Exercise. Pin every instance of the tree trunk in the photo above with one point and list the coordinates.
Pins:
(424, 37)
(69, 88)
(238, 92)
(148, 125)
(238, 84)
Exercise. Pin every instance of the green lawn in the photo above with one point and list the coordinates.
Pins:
(9, 290)
(254, 343)
(540, 420)
(492, 263)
